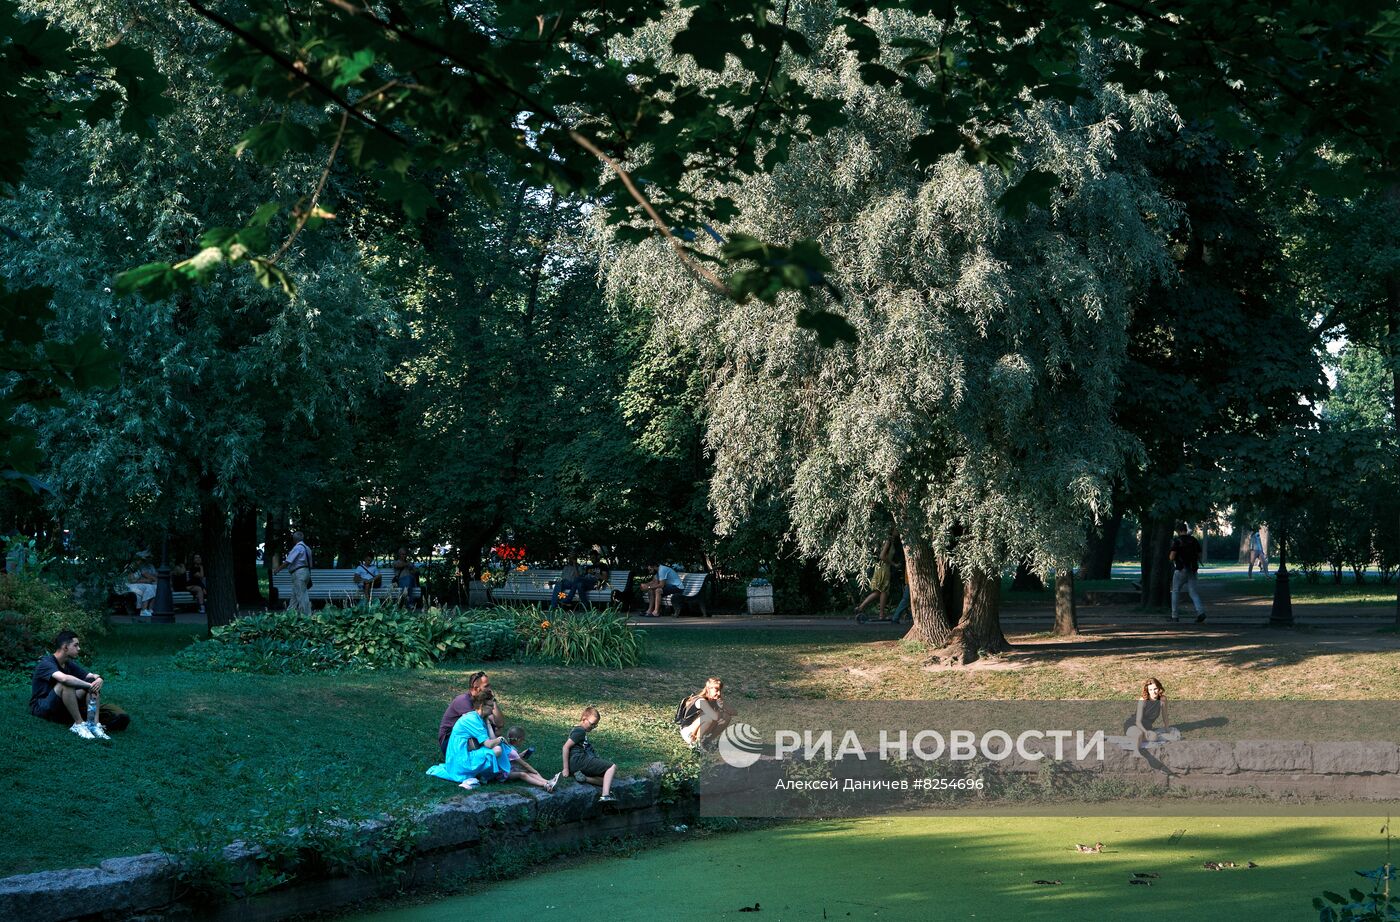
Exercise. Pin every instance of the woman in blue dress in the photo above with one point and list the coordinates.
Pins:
(475, 756)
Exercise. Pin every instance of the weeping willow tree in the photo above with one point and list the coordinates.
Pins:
(972, 416)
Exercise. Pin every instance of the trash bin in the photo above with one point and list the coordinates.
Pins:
(760, 598)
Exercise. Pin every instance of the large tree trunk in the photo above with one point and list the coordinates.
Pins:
(927, 596)
(217, 548)
(1392, 297)
(1156, 569)
(1066, 615)
(245, 558)
(978, 631)
(471, 537)
(1097, 561)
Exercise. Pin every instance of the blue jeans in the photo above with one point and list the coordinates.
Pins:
(903, 605)
(570, 590)
(1183, 579)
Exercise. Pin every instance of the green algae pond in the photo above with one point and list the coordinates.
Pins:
(956, 867)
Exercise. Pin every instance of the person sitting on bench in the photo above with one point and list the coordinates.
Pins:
(667, 583)
(367, 577)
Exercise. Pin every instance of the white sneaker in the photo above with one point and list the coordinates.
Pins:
(83, 731)
(99, 732)
(470, 784)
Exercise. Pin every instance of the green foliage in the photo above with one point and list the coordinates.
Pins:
(376, 635)
(32, 612)
(371, 635)
(53, 81)
(1378, 905)
(586, 638)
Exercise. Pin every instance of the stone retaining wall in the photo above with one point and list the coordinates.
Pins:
(1289, 771)
(458, 838)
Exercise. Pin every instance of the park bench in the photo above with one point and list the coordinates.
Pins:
(691, 596)
(339, 586)
(538, 586)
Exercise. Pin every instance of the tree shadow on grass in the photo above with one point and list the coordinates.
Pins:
(1241, 649)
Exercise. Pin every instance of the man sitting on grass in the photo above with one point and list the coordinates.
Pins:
(583, 763)
(63, 688)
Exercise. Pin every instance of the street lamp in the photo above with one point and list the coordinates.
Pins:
(164, 610)
(1281, 615)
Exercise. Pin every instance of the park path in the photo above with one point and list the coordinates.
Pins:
(1225, 607)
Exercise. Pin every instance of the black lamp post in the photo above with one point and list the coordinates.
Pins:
(164, 610)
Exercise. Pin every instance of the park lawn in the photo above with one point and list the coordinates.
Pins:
(1325, 591)
(225, 754)
(953, 867)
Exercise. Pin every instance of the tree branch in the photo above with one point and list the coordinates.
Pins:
(698, 272)
(315, 196)
(292, 68)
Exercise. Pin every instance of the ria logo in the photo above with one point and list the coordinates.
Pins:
(740, 745)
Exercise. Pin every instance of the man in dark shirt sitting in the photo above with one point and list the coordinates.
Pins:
(62, 689)
(478, 683)
(1186, 557)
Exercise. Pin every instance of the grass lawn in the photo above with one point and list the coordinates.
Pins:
(1348, 592)
(222, 753)
(920, 868)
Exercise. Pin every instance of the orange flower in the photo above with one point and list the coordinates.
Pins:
(545, 625)
(522, 568)
(562, 594)
(486, 577)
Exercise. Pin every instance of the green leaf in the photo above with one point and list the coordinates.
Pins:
(414, 196)
(153, 281)
(352, 67)
(264, 215)
(268, 274)
(1034, 188)
(944, 138)
(270, 140)
(829, 327)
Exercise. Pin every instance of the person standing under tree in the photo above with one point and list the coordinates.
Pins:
(1185, 556)
(298, 562)
(405, 576)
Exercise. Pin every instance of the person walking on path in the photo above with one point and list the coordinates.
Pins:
(879, 582)
(1257, 557)
(1185, 556)
(298, 562)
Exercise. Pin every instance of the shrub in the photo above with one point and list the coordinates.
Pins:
(371, 635)
(33, 611)
(588, 638)
(375, 635)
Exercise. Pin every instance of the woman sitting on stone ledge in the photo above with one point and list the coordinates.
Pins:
(474, 755)
(1151, 707)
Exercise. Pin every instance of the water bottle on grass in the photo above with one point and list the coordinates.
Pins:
(92, 713)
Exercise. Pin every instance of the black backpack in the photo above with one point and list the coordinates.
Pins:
(687, 712)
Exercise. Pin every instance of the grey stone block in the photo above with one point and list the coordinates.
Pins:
(448, 825)
(1355, 758)
(1124, 762)
(117, 885)
(1211, 757)
(1273, 756)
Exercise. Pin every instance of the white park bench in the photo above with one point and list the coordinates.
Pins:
(538, 586)
(339, 586)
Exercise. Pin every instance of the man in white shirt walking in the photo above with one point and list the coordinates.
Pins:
(298, 562)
